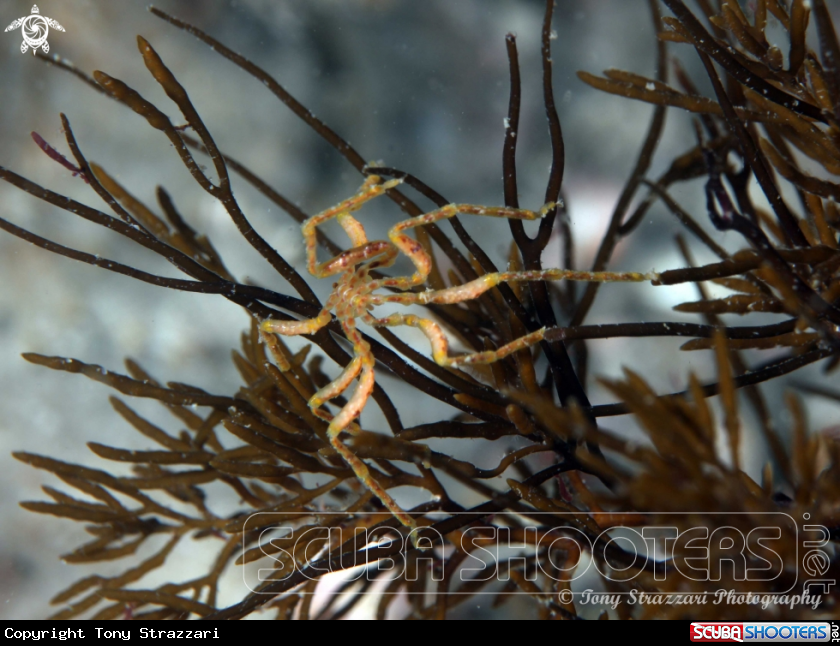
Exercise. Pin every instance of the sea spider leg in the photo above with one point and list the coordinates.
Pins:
(364, 364)
(440, 344)
(361, 251)
(293, 328)
(418, 255)
(477, 287)
(473, 289)
(328, 392)
(333, 390)
(372, 188)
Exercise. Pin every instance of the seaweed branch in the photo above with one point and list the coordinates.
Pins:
(548, 468)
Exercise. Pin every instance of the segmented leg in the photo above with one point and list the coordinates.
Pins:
(364, 476)
(344, 422)
(418, 255)
(473, 289)
(333, 390)
(440, 344)
(347, 260)
(344, 419)
(293, 328)
(373, 187)
(477, 287)
(336, 386)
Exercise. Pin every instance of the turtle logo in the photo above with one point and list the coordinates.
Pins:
(35, 28)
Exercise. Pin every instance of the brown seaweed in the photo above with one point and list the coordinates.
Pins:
(263, 442)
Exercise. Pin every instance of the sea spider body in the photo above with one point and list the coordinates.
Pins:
(354, 296)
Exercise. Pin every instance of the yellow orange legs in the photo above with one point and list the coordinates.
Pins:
(353, 297)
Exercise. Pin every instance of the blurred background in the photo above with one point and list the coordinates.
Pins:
(420, 86)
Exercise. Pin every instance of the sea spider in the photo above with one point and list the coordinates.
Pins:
(354, 296)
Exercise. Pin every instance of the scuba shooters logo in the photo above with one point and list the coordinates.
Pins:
(795, 631)
(718, 551)
(35, 29)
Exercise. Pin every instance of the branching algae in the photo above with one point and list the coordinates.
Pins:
(314, 485)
